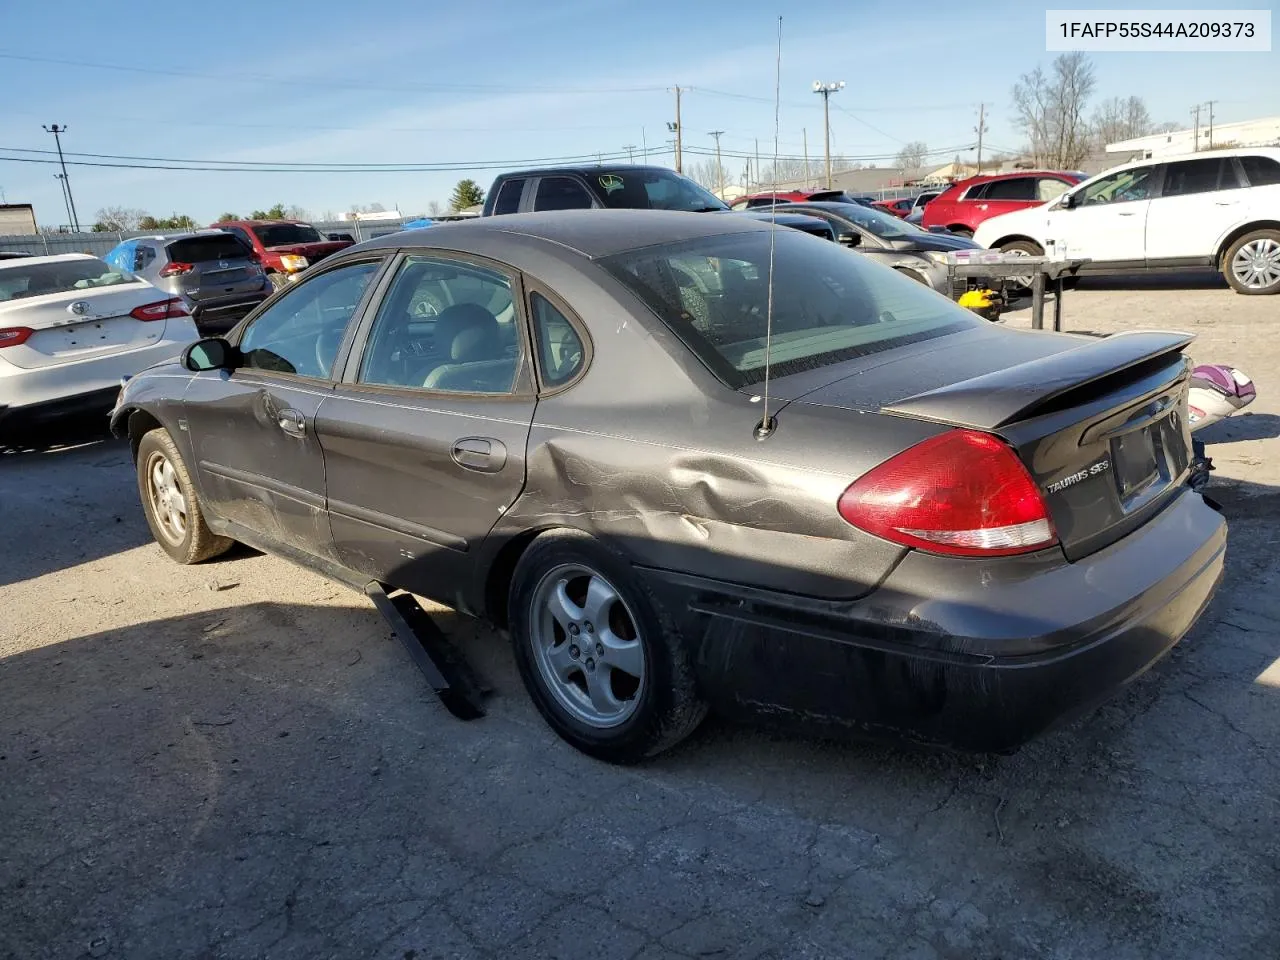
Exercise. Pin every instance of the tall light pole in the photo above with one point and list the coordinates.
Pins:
(826, 90)
(57, 132)
(719, 166)
(62, 182)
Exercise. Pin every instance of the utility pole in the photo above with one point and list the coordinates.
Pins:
(1210, 106)
(981, 129)
(805, 131)
(630, 148)
(63, 184)
(719, 166)
(644, 145)
(758, 180)
(675, 128)
(826, 90)
(57, 132)
(1196, 113)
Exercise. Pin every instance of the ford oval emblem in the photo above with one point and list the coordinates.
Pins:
(222, 264)
(79, 308)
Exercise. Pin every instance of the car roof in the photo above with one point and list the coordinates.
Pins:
(585, 168)
(779, 213)
(256, 223)
(591, 233)
(1272, 152)
(55, 258)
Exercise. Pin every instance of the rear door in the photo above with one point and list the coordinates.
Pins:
(258, 458)
(425, 436)
(1004, 196)
(1200, 200)
(76, 309)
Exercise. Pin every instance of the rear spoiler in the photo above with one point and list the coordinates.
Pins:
(996, 399)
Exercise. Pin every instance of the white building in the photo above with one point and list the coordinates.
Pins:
(1250, 133)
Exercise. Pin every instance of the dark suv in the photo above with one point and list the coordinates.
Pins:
(218, 276)
(581, 188)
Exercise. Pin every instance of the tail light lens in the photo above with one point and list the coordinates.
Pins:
(160, 310)
(177, 269)
(12, 336)
(962, 493)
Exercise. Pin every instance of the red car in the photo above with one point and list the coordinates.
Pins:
(286, 247)
(969, 202)
(768, 199)
(899, 207)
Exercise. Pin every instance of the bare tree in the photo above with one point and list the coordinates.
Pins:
(435, 208)
(912, 155)
(710, 174)
(116, 219)
(295, 212)
(1049, 110)
(1121, 118)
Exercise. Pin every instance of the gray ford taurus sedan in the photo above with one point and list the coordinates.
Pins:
(865, 508)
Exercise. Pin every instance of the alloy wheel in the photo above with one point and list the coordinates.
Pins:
(168, 505)
(1257, 264)
(586, 643)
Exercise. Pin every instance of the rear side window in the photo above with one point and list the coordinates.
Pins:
(561, 193)
(1050, 189)
(215, 246)
(977, 192)
(1198, 176)
(560, 349)
(1261, 171)
(1015, 188)
(508, 199)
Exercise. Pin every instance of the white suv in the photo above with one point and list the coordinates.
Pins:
(1218, 209)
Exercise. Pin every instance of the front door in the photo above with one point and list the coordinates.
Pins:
(1108, 222)
(258, 459)
(425, 435)
(1200, 200)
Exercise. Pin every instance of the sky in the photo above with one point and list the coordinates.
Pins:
(489, 84)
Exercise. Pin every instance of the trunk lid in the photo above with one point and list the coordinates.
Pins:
(81, 324)
(1101, 424)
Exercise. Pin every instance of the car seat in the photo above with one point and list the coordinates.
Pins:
(468, 335)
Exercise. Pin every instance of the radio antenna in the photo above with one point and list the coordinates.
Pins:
(766, 425)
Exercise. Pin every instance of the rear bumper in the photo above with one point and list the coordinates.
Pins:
(973, 660)
(220, 315)
(25, 389)
(18, 419)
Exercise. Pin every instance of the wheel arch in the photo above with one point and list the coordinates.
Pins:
(495, 577)
(1012, 237)
(1221, 255)
(134, 422)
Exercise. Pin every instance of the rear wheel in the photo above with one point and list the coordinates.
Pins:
(1252, 264)
(171, 504)
(601, 661)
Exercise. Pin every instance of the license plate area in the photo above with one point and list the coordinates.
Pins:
(1143, 461)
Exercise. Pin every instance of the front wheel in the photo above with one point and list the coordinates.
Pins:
(600, 660)
(1020, 284)
(1252, 264)
(171, 504)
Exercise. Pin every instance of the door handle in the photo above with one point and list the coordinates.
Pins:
(484, 454)
(1126, 213)
(292, 422)
(1225, 203)
(982, 206)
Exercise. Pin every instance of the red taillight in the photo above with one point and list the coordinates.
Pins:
(161, 310)
(12, 336)
(961, 493)
(177, 269)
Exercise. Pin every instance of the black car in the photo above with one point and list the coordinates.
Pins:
(890, 240)
(931, 526)
(618, 187)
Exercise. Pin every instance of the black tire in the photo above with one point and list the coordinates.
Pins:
(668, 707)
(195, 542)
(960, 231)
(1238, 285)
(1029, 247)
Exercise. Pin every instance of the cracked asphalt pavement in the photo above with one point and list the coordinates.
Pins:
(237, 760)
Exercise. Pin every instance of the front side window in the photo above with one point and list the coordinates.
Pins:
(561, 193)
(1015, 188)
(1122, 187)
(1261, 171)
(508, 198)
(1198, 176)
(713, 293)
(445, 325)
(300, 333)
(560, 350)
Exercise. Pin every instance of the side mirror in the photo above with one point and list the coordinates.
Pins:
(1069, 201)
(211, 353)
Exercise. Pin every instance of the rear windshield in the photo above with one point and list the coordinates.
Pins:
(631, 189)
(215, 246)
(63, 276)
(280, 234)
(883, 225)
(829, 304)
